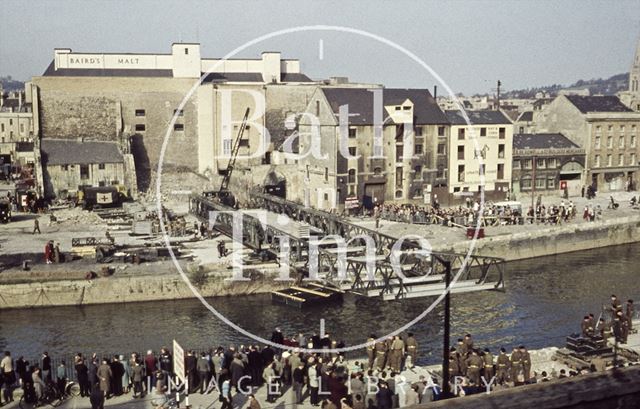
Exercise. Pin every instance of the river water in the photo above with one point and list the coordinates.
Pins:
(545, 300)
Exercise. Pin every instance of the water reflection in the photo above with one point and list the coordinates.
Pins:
(544, 301)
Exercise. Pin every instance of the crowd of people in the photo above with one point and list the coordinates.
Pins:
(326, 378)
(619, 325)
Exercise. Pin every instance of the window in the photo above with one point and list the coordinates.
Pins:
(418, 149)
(551, 183)
(353, 132)
(398, 108)
(21, 128)
(399, 177)
(140, 112)
(621, 128)
(597, 161)
(522, 129)
(317, 108)
(398, 194)
(632, 159)
(417, 193)
(418, 170)
(541, 183)
(502, 133)
(461, 134)
(399, 153)
(178, 112)
(2, 127)
(460, 173)
(633, 141)
(244, 143)
(406, 108)
(352, 176)
(596, 144)
(140, 127)
(352, 151)
(610, 128)
(551, 163)
(101, 166)
(598, 129)
(377, 171)
(540, 164)
(326, 174)
(441, 131)
(526, 164)
(178, 127)
(64, 167)
(621, 142)
(10, 122)
(525, 183)
(609, 160)
(501, 151)
(307, 173)
(610, 142)
(326, 196)
(483, 131)
(460, 152)
(84, 171)
(186, 51)
(516, 164)
(440, 172)
(621, 160)
(500, 171)
(633, 129)
(417, 131)
(441, 149)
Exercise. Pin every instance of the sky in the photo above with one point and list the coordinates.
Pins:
(468, 44)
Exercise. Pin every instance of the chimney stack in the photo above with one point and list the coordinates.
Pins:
(435, 92)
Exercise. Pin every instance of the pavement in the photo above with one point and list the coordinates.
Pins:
(440, 236)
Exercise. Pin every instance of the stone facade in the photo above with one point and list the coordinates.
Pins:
(610, 140)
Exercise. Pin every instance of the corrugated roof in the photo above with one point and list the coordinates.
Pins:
(542, 141)
(600, 103)
(73, 152)
(360, 100)
(484, 117)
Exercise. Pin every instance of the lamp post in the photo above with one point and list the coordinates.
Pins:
(446, 387)
(533, 189)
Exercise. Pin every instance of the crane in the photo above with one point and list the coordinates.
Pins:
(225, 196)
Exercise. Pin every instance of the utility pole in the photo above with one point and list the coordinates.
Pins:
(446, 387)
(533, 189)
(498, 97)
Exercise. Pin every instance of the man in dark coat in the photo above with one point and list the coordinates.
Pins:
(191, 368)
(96, 398)
(82, 374)
(236, 370)
(117, 370)
(204, 370)
(93, 373)
(255, 366)
(267, 355)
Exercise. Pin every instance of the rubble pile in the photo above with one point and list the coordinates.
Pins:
(76, 216)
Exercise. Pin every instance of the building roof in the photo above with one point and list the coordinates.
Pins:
(98, 72)
(542, 141)
(600, 103)
(360, 100)
(126, 72)
(74, 152)
(526, 116)
(483, 117)
(24, 146)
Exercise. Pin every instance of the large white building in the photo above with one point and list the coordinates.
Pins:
(100, 96)
(482, 148)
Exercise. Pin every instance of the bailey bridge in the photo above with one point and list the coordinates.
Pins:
(348, 256)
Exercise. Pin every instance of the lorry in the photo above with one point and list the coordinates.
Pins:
(100, 197)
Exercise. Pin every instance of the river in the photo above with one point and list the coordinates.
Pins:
(545, 300)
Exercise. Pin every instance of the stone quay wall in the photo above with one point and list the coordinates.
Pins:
(554, 240)
(114, 289)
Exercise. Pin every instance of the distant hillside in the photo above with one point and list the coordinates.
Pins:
(608, 86)
(9, 84)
